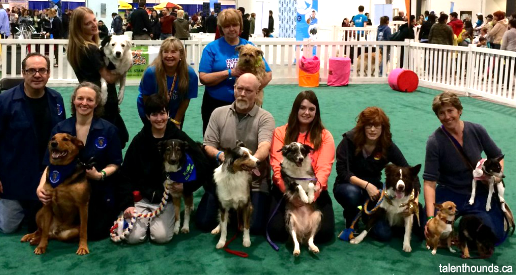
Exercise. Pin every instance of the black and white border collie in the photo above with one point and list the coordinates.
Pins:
(304, 221)
(118, 57)
(233, 182)
(399, 184)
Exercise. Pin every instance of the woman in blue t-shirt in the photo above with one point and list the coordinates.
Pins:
(170, 76)
(218, 67)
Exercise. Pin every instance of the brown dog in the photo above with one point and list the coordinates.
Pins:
(363, 72)
(250, 61)
(70, 196)
(440, 228)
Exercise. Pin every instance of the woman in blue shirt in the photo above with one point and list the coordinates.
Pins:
(218, 67)
(170, 76)
(101, 148)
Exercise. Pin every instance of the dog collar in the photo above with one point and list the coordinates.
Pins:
(314, 179)
(186, 174)
(57, 174)
(447, 221)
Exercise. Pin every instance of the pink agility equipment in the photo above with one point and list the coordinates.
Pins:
(339, 72)
(308, 73)
(403, 80)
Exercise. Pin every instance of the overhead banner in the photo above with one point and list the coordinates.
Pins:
(307, 20)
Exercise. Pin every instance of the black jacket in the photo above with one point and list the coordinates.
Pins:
(245, 31)
(143, 169)
(370, 169)
(116, 25)
(57, 28)
(156, 28)
(211, 24)
(103, 31)
(140, 22)
(425, 30)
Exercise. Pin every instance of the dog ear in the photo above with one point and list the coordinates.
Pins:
(105, 41)
(308, 147)
(239, 143)
(77, 142)
(161, 146)
(499, 158)
(415, 170)
(259, 52)
(438, 206)
(185, 145)
(238, 48)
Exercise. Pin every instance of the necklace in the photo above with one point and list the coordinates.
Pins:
(172, 87)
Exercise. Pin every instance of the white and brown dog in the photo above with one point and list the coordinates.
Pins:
(402, 190)
(118, 57)
(233, 184)
(303, 221)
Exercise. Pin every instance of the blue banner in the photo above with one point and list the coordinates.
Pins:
(306, 26)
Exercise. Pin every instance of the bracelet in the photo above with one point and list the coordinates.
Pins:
(217, 157)
(429, 218)
(365, 188)
(104, 175)
(175, 121)
(229, 73)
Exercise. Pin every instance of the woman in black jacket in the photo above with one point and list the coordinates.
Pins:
(155, 25)
(425, 28)
(56, 30)
(143, 171)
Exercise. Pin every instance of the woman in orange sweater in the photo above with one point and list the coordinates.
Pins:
(304, 126)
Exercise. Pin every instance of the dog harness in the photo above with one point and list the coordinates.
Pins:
(57, 174)
(186, 174)
(127, 227)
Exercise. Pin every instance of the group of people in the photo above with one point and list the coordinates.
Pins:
(45, 21)
(31, 113)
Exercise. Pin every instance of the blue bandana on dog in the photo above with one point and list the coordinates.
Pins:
(57, 174)
(187, 172)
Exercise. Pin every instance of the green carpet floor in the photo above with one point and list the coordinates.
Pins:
(412, 121)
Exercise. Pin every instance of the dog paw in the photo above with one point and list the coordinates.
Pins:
(451, 250)
(185, 230)
(83, 251)
(354, 241)
(433, 252)
(488, 207)
(40, 250)
(407, 248)
(220, 245)
(246, 243)
(216, 230)
(471, 202)
(311, 199)
(176, 231)
(314, 249)
(120, 99)
(303, 197)
(428, 247)
(27, 237)
(296, 252)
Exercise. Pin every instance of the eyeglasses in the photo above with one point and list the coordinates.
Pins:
(370, 126)
(41, 71)
(242, 89)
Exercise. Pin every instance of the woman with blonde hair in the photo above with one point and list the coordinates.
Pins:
(85, 57)
(218, 67)
(170, 76)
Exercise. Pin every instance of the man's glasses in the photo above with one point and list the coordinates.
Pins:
(42, 71)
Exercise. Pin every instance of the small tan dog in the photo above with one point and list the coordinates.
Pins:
(363, 72)
(440, 227)
(250, 60)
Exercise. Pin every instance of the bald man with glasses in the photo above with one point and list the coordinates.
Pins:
(28, 112)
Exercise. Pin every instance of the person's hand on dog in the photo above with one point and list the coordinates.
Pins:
(221, 157)
(43, 196)
(236, 72)
(373, 192)
(177, 187)
(93, 174)
(129, 212)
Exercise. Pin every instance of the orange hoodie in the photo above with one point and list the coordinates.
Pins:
(322, 159)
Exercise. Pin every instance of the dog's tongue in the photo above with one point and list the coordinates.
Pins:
(399, 194)
(256, 172)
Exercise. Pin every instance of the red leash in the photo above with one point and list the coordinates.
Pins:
(234, 252)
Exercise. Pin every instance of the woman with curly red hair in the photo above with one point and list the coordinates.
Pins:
(361, 156)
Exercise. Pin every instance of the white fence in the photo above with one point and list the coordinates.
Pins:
(484, 72)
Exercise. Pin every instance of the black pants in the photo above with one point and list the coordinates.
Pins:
(102, 211)
(206, 218)
(209, 104)
(276, 227)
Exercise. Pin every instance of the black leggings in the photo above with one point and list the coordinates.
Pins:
(209, 104)
(277, 230)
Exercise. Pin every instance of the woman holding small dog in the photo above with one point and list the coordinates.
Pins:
(218, 67)
(85, 57)
(304, 126)
(171, 77)
(362, 155)
(451, 153)
(143, 171)
(102, 150)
